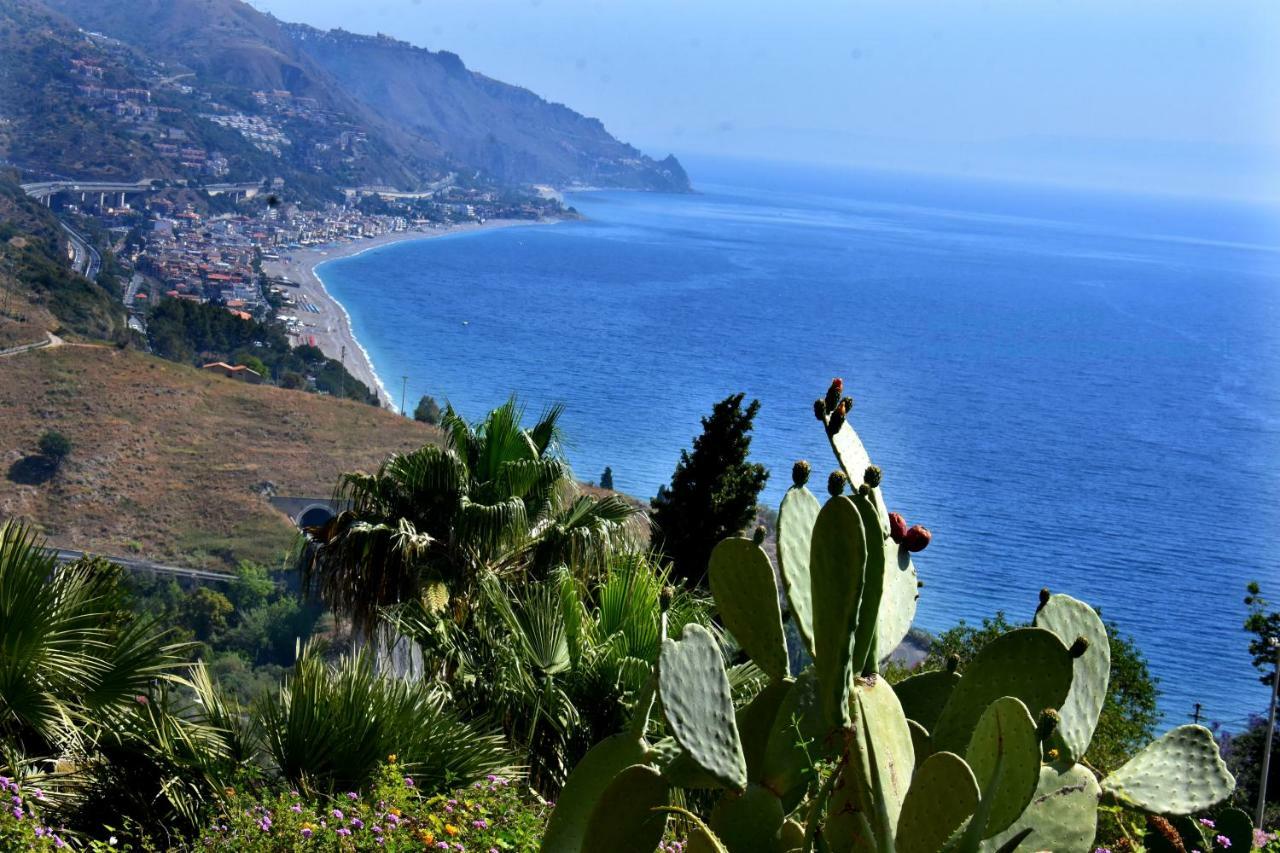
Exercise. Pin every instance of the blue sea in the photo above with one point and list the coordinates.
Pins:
(1072, 390)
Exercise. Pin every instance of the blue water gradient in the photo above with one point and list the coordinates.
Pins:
(1073, 391)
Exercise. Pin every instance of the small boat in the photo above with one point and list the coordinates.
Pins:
(466, 322)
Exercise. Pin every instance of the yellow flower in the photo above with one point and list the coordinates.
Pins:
(230, 792)
(450, 829)
(426, 837)
(392, 758)
(395, 811)
(1053, 754)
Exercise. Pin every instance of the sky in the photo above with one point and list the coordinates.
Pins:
(1179, 96)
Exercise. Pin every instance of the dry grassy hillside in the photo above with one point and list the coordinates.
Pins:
(166, 458)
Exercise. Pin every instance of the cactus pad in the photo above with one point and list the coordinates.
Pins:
(1062, 814)
(699, 706)
(742, 582)
(750, 822)
(1071, 619)
(943, 795)
(605, 760)
(755, 722)
(901, 594)
(898, 604)
(1237, 827)
(1004, 755)
(785, 769)
(923, 696)
(866, 655)
(891, 747)
(837, 558)
(629, 816)
(1180, 773)
(1030, 664)
(796, 517)
(920, 742)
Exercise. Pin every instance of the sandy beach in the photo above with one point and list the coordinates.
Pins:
(329, 324)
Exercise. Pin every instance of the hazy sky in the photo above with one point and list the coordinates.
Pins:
(1182, 95)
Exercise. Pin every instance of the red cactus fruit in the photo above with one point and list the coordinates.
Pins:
(833, 394)
(917, 538)
(897, 527)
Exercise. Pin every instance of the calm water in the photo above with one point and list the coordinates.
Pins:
(1074, 391)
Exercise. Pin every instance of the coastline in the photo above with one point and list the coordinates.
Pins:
(327, 321)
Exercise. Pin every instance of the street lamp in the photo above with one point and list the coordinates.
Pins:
(1274, 643)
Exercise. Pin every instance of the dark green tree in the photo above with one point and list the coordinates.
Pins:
(1129, 715)
(55, 445)
(713, 490)
(428, 411)
(1264, 624)
(606, 479)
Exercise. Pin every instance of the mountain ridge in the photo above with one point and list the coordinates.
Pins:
(418, 116)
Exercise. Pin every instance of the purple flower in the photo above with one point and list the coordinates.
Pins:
(344, 832)
(337, 813)
(295, 808)
(1204, 821)
(17, 812)
(375, 829)
(39, 793)
(306, 832)
(357, 823)
(480, 824)
(352, 795)
(408, 781)
(1223, 841)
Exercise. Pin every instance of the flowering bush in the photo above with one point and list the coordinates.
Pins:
(20, 825)
(492, 815)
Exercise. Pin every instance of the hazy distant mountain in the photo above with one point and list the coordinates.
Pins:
(420, 115)
(506, 131)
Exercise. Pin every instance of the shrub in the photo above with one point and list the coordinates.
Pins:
(55, 445)
(428, 411)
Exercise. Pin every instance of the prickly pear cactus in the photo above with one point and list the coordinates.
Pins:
(1180, 773)
(568, 825)
(628, 818)
(1004, 754)
(1030, 664)
(796, 517)
(1070, 619)
(924, 695)
(698, 705)
(943, 795)
(837, 560)
(750, 821)
(898, 604)
(742, 582)
(1062, 814)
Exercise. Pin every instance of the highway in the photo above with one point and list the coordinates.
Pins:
(66, 556)
(87, 261)
(43, 189)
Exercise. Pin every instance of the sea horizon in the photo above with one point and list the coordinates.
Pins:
(1025, 361)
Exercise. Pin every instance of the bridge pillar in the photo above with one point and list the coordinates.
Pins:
(122, 198)
(102, 200)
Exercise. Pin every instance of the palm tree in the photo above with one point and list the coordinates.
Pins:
(496, 496)
(85, 684)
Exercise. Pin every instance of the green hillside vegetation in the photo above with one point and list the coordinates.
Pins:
(199, 333)
(34, 273)
(499, 640)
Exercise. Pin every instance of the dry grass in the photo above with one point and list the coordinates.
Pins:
(166, 458)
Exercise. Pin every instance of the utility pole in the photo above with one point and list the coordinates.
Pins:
(403, 386)
(1271, 732)
(1195, 717)
(342, 377)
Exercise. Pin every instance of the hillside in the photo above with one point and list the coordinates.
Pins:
(332, 107)
(38, 292)
(508, 132)
(168, 461)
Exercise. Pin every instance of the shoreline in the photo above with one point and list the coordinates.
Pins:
(327, 320)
